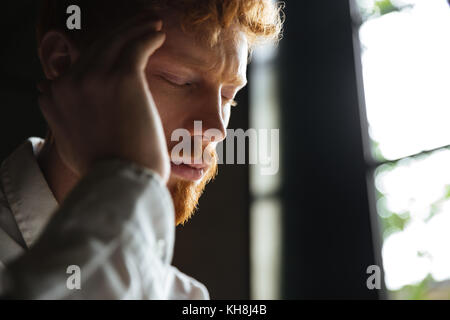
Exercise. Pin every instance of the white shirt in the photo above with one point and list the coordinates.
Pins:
(117, 226)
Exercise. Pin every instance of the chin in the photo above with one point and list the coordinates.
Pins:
(186, 194)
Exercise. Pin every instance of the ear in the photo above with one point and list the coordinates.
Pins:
(57, 54)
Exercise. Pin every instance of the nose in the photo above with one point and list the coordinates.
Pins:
(208, 121)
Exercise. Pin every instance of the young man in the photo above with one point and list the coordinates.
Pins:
(101, 196)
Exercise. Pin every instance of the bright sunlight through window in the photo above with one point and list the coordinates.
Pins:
(406, 70)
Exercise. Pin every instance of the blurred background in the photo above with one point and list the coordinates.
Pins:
(406, 75)
(360, 92)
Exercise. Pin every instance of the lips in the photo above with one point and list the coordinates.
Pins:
(190, 172)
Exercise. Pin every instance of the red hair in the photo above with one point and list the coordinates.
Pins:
(260, 20)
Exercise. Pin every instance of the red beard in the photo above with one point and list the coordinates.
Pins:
(186, 194)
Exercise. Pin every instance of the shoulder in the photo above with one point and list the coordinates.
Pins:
(184, 287)
(7, 220)
(4, 207)
(9, 247)
(6, 215)
(3, 203)
(10, 236)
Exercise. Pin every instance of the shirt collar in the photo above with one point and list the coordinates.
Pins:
(26, 190)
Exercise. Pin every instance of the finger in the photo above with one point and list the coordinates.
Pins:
(129, 36)
(134, 21)
(116, 31)
(107, 51)
(137, 53)
(119, 36)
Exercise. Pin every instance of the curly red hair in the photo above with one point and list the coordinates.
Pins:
(260, 20)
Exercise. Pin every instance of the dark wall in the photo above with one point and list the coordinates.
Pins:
(19, 70)
(327, 225)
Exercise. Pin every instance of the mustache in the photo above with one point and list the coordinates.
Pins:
(207, 156)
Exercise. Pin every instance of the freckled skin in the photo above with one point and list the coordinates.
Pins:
(190, 81)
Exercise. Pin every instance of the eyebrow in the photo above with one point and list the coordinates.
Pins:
(197, 63)
(186, 57)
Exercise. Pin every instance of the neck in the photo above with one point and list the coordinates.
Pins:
(59, 177)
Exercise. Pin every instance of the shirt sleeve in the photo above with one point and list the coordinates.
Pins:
(112, 238)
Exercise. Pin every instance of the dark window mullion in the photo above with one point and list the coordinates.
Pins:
(376, 164)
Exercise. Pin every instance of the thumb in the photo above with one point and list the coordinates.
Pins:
(142, 48)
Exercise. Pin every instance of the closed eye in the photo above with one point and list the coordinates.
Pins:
(175, 81)
(180, 84)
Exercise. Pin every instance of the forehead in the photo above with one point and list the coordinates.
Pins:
(227, 59)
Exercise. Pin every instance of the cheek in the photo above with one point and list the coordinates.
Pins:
(168, 107)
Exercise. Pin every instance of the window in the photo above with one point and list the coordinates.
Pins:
(406, 72)
(265, 210)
